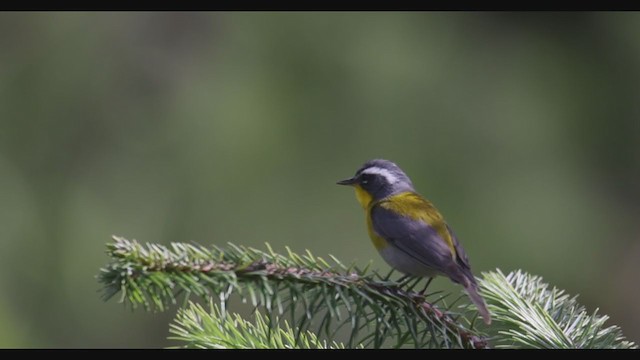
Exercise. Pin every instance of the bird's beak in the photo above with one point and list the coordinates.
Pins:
(350, 181)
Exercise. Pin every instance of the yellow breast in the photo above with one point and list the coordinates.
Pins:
(379, 242)
(366, 201)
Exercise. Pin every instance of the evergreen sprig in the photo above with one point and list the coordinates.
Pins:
(213, 329)
(528, 313)
(315, 295)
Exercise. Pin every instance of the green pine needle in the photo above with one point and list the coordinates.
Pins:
(213, 329)
(529, 314)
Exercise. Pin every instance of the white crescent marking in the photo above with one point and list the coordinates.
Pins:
(388, 175)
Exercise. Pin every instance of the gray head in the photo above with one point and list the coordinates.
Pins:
(380, 178)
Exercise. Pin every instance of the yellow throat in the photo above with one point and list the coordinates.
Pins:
(364, 198)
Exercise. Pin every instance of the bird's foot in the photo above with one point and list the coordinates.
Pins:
(421, 292)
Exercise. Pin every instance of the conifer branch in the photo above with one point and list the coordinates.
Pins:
(308, 289)
(303, 301)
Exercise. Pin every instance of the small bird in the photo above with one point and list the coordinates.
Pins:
(408, 231)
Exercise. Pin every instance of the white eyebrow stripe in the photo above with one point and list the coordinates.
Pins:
(391, 178)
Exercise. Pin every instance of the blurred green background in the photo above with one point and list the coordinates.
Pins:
(213, 127)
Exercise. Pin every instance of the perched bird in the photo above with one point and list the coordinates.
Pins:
(408, 231)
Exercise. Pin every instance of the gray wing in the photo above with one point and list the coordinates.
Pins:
(462, 258)
(416, 239)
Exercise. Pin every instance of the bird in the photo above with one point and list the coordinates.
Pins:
(410, 234)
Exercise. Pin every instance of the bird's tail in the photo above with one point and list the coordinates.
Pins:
(472, 290)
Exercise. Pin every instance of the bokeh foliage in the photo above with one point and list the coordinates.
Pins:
(233, 127)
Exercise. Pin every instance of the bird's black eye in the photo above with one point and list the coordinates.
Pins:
(364, 180)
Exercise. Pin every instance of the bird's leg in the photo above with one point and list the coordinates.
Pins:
(426, 286)
(403, 278)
